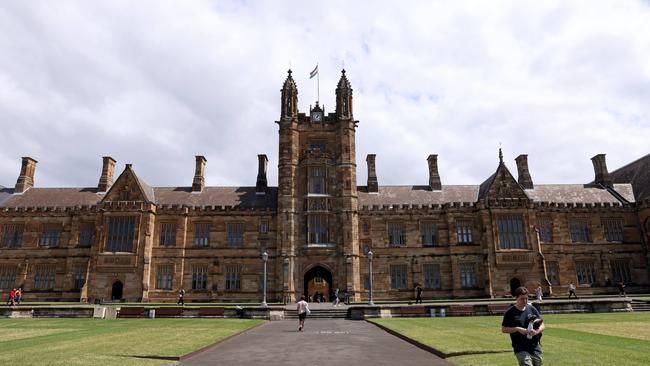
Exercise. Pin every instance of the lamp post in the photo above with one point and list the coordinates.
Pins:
(370, 302)
(265, 258)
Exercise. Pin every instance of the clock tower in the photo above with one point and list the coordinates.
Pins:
(317, 197)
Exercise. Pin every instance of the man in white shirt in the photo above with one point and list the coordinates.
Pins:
(303, 309)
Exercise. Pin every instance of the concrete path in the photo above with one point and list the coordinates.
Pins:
(322, 342)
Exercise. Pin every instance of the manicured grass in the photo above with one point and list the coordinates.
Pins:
(580, 339)
(109, 342)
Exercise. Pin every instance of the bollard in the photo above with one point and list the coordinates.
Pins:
(152, 313)
(432, 311)
(443, 313)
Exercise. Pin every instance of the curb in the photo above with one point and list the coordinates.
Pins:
(217, 343)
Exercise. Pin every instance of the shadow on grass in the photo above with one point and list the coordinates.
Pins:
(153, 357)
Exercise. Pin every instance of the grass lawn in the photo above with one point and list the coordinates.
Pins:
(109, 342)
(580, 339)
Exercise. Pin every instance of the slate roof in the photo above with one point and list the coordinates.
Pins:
(53, 197)
(423, 195)
(638, 174)
(574, 193)
(5, 193)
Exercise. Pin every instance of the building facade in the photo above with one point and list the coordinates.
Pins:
(127, 240)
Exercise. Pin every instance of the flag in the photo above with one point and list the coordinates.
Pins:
(314, 72)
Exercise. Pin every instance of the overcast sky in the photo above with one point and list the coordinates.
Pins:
(155, 83)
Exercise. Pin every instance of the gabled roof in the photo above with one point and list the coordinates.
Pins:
(638, 174)
(501, 184)
(129, 187)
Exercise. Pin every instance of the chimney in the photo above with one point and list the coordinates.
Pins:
(522, 171)
(106, 180)
(26, 178)
(199, 180)
(373, 186)
(261, 184)
(434, 176)
(600, 170)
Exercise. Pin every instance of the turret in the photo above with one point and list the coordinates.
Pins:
(344, 97)
(289, 98)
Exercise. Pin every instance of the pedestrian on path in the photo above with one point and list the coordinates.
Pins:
(19, 295)
(572, 290)
(181, 296)
(418, 296)
(12, 297)
(621, 289)
(336, 301)
(538, 292)
(303, 310)
(524, 324)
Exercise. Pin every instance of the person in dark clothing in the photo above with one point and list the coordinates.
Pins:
(524, 324)
(418, 296)
(181, 296)
(621, 289)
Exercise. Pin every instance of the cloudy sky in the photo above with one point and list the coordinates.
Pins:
(155, 83)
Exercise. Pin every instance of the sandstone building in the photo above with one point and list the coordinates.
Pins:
(124, 239)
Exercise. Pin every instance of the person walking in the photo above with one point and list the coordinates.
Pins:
(538, 292)
(572, 290)
(12, 297)
(621, 289)
(524, 324)
(418, 296)
(336, 301)
(303, 310)
(181, 297)
(19, 295)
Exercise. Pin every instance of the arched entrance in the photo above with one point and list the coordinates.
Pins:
(514, 284)
(116, 291)
(318, 280)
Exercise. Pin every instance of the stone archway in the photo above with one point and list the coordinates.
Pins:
(515, 283)
(117, 290)
(318, 279)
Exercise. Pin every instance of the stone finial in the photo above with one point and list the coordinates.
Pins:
(199, 174)
(524, 177)
(261, 185)
(600, 170)
(26, 178)
(373, 186)
(108, 170)
(434, 176)
(289, 103)
(344, 97)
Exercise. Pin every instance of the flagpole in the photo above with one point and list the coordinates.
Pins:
(317, 86)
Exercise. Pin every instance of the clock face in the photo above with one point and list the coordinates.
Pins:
(316, 116)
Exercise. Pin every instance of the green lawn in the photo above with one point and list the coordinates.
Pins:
(109, 342)
(581, 339)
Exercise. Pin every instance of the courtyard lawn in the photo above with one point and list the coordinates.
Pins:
(109, 342)
(569, 339)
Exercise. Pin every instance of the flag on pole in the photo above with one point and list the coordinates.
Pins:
(314, 72)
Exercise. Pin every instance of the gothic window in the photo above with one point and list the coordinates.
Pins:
(553, 273)
(586, 273)
(396, 234)
(7, 276)
(44, 277)
(199, 278)
(86, 235)
(511, 232)
(317, 180)
(79, 277)
(317, 229)
(613, 229)
(201, 234)
(365, 227)
(545, 226)
(429, 233)
(50, 236)
(164, 277)
(12, 235)
(398, 276)
(621, 271)
(431, 273)
(366, 248)
(233, 278)
(317, 146)
(579, 230)
(168, 234)
(235, 232)
(264, 226)
(464, 231)
(468, 275)
(121, 232)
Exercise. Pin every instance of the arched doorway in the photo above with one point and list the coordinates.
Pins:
(514, 284)
(116, 291)
(318, 280)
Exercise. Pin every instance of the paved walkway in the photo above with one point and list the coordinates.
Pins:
(322, 342)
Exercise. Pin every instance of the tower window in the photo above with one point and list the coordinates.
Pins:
(317, 229)
(317, 180)
(121, 231)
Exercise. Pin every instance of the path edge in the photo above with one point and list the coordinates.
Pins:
(217, 343)
(411, 341)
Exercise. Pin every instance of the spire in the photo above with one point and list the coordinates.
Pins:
(344, 97)
(500, 156)
(289, 98)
